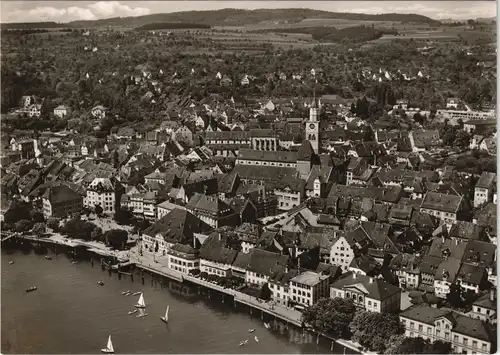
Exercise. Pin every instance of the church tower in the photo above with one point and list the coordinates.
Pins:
(312, 126)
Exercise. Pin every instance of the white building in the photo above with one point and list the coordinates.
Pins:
(368, 293)
(105, 192)
(466, 335)
(308, 287)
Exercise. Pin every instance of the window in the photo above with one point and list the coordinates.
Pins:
(369, 303)
(429, 330)
(447, 335)
(465, 341)
(438, 333)
(420, 328)
(474, 344)
(484, 346)
(412, 325)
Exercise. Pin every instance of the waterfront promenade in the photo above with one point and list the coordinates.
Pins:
(158, 264)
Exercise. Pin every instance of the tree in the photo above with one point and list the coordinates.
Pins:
(330, 315)
(39, 229)
(23, 225)
(53, 223)
(96, 234)
(265, 292)
(98, 210)
(124, 215)
(418, 345)
(37, 217)
(462, 139)
(373, 329)
(116, 238)
(78, 229)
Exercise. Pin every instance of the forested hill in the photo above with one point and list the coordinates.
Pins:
(239, 17)
(331, 34)
(31, 25)
(170, 26)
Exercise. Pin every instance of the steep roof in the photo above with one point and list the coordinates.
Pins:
(376, 288)
(60, 193)
(264, 262)
(306, 151)
(178, 227)
(486, 180)
(441, 202)
(213, 249)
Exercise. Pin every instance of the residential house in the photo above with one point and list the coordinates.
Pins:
(348, 245)
(483, 191)
(98, 112)
(184, 134)
(263, 264)
(179, 226)
(445, 207)
(164, 208)
(104, 192)
(466, 335)
(215, 257)
(212, 210)
(485, 307)
(61, 201)
(61, 111)
(368, 293)
(290, 193)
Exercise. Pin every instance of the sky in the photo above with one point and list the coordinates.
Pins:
(66, 11)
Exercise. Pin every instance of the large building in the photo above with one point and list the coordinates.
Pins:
(104, 192)
(368, 293)
(61, 201)
(466, 335)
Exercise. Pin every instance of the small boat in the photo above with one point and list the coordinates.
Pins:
(141, 303)
(256, 339)
(31, 289)
(74, 262)
(11, 262)
(48, 257)
(142, 315)
(136, 293)
(242, 343)
(125, 292)
(267, 325)
(246, 341)
(165, 318)
(100, 283)
(109, 347)
(251, 330)
(132, 312)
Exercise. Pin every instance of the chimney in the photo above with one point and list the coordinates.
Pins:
(492, 295)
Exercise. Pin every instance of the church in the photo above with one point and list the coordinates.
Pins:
(293, 175)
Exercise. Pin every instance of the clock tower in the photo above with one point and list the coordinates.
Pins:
(312, 127)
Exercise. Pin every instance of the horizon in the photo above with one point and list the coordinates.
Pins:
(69, 11)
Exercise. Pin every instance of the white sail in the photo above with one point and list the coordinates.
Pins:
(166, 314)
(141, 301)
(110, 345)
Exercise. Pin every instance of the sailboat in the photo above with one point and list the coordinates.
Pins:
(109, 348)
(142, 313)
(165, 318)
(256, 339)
(141, 303)
(132, 312)
(267, 325)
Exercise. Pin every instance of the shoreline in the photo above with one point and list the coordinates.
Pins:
(278, 311)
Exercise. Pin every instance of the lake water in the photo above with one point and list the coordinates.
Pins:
(71, 314)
